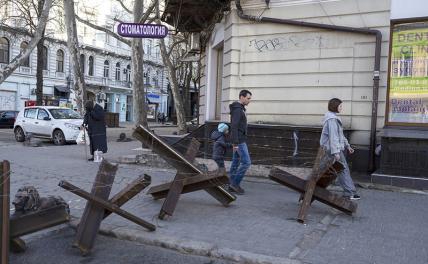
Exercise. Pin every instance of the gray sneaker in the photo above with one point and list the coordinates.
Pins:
(236, 189)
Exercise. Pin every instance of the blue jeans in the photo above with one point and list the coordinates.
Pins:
(240, 163)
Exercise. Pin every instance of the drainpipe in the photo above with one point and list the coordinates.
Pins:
(376, 71)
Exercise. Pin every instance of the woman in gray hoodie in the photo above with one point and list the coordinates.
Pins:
(333, 141)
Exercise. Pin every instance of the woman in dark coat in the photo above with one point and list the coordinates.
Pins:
(94, 120)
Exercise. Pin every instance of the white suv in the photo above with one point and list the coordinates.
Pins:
(56, 123)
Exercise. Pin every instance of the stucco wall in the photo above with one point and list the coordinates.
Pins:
(293, 71)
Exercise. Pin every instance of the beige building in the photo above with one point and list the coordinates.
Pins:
(293, 71)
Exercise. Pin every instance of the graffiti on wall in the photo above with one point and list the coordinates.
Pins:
(286, 43)
(7, 102)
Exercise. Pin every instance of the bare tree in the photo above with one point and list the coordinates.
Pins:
(73, 46)
(25, 53)
(139, 16)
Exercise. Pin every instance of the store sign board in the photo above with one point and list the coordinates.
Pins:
(408, 77)
(136, 30)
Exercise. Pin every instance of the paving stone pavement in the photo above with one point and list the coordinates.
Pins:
(259, 227)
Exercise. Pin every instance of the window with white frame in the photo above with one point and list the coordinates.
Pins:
(4, 50)
(60, 61)
(106, 69)
(26, 62)
(117, 76)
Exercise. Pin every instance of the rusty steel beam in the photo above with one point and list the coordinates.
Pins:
(191, 184)
(179, 162)
(4, 211)
(320, 194)
(106, 205)
(93, 213)
(32, 222)
(132, 189)
(322, 166)
(176, 187)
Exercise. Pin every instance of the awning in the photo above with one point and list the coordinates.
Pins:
(62, 88)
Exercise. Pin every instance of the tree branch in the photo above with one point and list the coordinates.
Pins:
(124, 7)
(111, 33)
(23, 55)
(149, 11)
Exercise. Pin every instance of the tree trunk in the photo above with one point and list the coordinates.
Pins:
(186, 91)
(73, 47)
(39, 70)
(139, 96)
(23, 55)
(178, 101)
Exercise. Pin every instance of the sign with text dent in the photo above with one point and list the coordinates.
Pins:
(136, 30)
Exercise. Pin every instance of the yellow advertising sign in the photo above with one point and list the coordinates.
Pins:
(408, 80)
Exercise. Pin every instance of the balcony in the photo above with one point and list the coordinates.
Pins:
(120, 84)
(95, 80)
(59, 75)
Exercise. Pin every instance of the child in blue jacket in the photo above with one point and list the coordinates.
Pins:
(220, 144)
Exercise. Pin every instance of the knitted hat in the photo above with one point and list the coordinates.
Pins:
(222, 127)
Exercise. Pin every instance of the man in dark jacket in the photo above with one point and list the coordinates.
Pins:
(220, 144)
(94, 120)
(241, 158)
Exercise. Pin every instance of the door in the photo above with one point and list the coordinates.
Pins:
(28, 122)
(41, 126)
(219, 83)
(129, 110)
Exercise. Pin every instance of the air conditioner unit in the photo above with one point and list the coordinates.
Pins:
(102, 96)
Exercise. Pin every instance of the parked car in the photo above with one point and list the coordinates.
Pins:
(7, 118)
(56, 123)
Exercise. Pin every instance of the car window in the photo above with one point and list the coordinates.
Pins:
(30, 113)
(9, 114)
(64, 114)
(42, 114)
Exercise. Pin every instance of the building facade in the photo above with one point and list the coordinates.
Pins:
(106, 63)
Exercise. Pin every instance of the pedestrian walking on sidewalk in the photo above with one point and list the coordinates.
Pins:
(334, 142)
(94, 121)
(220, 144)
(241, 158)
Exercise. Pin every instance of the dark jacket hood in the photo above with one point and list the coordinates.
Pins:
(235, 105)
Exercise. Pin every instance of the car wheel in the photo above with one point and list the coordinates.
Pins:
(58, 138)
(19, 134)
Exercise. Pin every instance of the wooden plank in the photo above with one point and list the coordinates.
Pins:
(131, 190)
(93, 213)
(320, 194)
(38, 220)
(4, 210)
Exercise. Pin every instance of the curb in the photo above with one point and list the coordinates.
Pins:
(186, 246)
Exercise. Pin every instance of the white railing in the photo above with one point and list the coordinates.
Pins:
(120, 83)
(59, 74)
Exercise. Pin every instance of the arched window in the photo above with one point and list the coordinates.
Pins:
(4, 50)
(91, 66)
(117, 77)
(106, 69)
(82, 63)
(60, 61)
(45, 58)
(128, 73)
(26, 62)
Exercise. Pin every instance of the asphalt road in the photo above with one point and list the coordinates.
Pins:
(55, 247)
